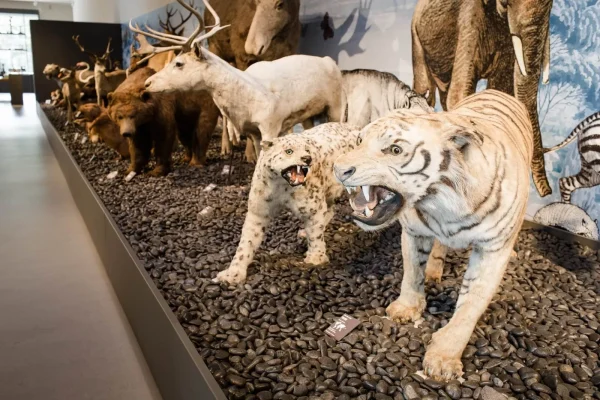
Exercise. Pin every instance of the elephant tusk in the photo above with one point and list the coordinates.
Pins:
(518, 46)
(546, 63)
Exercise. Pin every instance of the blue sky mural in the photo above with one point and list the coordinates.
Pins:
(376, 34)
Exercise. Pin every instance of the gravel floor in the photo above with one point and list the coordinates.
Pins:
(538, 339)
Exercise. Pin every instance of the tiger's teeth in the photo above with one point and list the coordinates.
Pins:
(348, 190)
(367, 192)
(298, 169)
(368, 212)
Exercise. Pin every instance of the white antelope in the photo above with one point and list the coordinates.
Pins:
(268, 98)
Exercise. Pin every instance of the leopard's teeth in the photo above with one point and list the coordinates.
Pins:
(367, 192)
(348, 190)
(368, 212)
(298, 169)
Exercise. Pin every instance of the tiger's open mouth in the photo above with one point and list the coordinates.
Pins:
(296, 175)
(374, 205)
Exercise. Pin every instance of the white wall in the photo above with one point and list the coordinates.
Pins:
(129, 9)
(103, 11)
(52, 11)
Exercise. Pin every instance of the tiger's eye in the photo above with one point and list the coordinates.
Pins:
(396, 150)
(289, 152)
(359, 140)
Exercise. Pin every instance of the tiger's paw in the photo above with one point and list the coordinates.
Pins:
(403, 311)
(440, 367)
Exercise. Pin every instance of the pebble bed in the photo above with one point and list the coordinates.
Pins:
(265, 340)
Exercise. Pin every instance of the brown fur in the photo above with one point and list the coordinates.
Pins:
(106, 129)
(71, 92)
(153, 122)
(229, 43)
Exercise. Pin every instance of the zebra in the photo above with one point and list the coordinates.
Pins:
(588, 134)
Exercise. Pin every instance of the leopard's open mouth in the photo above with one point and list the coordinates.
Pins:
(374, 205)
(296, 175)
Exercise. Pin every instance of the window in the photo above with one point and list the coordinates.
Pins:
(15, 41)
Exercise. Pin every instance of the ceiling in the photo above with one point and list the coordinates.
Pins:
(45, 1)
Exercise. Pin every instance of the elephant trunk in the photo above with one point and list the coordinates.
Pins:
(531, 42)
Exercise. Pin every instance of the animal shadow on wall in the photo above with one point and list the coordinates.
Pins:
(334, 46)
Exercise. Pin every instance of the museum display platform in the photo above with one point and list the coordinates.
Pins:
(175, 364)
(539, 335)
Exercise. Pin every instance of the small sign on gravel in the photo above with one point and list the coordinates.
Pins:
(342, 327)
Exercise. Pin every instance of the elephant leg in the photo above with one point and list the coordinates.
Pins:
(464, 77)
(423, 83)
(502, 79)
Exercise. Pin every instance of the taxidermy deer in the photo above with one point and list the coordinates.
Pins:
(268, 98)
(144, 52)
(105, 81)
(262, 30)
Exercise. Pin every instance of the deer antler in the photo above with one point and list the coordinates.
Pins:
(108, 50)
(83, 50)
(181, 42)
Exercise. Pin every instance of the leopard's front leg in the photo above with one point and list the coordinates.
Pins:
(482, 278)
(253, 233)
(315, 225)
(411, 303)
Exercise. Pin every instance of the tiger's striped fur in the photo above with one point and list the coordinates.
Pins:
(588, 135)
(456, 179)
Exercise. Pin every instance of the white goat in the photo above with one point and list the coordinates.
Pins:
(374, 94)
(268, 98)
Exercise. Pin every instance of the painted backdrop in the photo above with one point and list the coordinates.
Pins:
(376, 34)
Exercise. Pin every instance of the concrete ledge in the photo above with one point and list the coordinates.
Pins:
(177, 368)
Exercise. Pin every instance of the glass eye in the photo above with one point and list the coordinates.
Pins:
(289, 152)
(396, 150)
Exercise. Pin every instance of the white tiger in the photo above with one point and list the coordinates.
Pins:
(374, 94)
(588, 134)
(459, 178)
(294, 172)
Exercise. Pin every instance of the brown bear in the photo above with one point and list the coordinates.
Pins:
(100, 126)
(152, 121)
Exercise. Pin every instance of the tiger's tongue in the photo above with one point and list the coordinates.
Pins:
(360, 201)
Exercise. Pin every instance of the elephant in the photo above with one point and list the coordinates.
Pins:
(455, 43)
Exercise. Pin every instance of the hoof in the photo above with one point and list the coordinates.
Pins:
(401, 312)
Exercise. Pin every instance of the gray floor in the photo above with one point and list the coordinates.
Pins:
(63, 334)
